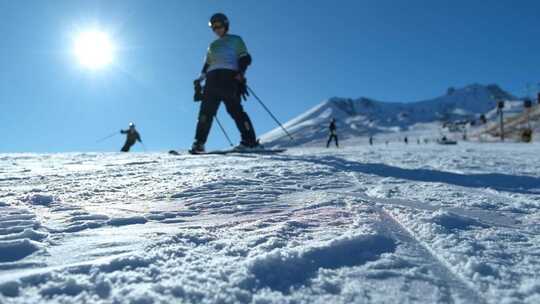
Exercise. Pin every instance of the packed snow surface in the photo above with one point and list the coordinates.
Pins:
(381, 224)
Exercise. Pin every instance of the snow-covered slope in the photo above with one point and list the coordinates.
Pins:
(421, 224)
(365, 117)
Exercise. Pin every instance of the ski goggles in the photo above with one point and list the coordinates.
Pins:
(217, 25)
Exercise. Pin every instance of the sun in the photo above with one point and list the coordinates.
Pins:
(94, 49)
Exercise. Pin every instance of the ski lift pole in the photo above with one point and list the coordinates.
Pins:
(269, 112)
(527, 104)
(500, 106)
(224, 132)
(107, 137)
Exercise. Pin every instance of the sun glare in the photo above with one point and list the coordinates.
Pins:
(94, 49)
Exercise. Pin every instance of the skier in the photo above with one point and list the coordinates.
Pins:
(227, 60)
(406, 140)
(132, 136)
(483, 119)
(333, 134)
(371, 140)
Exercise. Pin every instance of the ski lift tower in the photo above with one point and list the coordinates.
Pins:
(527, 105)
(500, 106)
(526, 133)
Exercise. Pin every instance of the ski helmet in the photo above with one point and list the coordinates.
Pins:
(131, 125)
(219, 18)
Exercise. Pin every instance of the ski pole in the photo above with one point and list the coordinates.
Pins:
(144, 147)
(269, 112)
(224, 132)
(107, 137)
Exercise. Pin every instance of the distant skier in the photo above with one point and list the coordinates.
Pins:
(483, 119)
(226, 63)
(333, 134)
(371, 140)
(406, 140)
(132, 136)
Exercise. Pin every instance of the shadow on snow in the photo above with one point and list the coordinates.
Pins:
(497, 181)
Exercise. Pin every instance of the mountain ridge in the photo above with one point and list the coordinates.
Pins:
(367, 116)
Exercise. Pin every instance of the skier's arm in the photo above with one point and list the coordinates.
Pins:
(244, 58)
(139, 138)
(244, 62)
(204, 69)
(123, 131)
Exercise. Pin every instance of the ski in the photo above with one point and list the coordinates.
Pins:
(233, 151)
(247, 151)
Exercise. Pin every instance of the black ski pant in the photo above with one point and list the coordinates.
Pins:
(334, 137)
(221, 86)
(127, 145)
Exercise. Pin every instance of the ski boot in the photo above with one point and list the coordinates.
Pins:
(245, 146)
(197, 148)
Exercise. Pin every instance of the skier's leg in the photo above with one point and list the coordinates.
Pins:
(336, 139)
(207, 112)
(243, 123)
(328, 142)
(126, 147)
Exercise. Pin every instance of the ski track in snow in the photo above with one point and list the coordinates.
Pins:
(417, 224)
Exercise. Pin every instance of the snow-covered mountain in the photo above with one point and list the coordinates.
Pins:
(365, 116)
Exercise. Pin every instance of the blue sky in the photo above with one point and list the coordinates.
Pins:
(303, 51)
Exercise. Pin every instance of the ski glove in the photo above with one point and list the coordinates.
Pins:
(242, 90)
(198, 96)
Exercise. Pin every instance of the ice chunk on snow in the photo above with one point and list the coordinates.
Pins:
(70, 288)
(480, 268)
(283, 269)
(18, 249)
(125, 262)
(452, 221)
(123, 221)
(25, 234)
(39, 199)
(9, 289)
